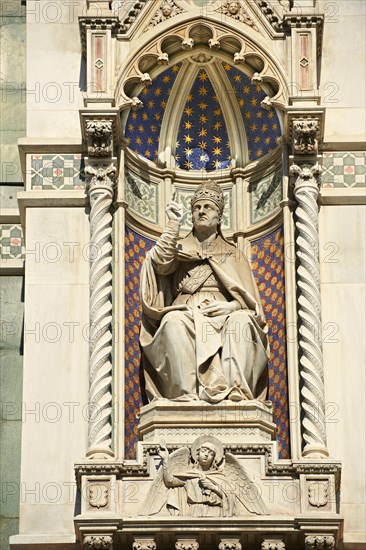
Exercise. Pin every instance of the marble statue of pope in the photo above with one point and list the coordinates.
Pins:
(203, 332)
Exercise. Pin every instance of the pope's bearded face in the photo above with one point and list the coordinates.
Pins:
(205, 215)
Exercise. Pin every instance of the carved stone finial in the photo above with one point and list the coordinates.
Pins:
(99, 138)
(256, 79)
(266, 103)
(305, 140)
(187, 43)
(98, 542)
(319, 542)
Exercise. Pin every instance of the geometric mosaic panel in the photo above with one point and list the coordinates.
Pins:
(57, 172)
(267, 259)
(268, 267)
(265, 196)
(344, 170)
(11, 242)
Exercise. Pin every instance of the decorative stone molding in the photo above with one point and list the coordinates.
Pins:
(144, 544)
(319, 542)
(273, 544)
(305, 136)
(100, 190)
(230, 544)
(167, 10)
(306, 191)
(184, 42)
(108, 22)
(98, 542)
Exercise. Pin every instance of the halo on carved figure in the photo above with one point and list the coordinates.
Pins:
(212, 441)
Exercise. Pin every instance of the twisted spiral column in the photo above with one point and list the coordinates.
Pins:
(100, 190)
(306, 193)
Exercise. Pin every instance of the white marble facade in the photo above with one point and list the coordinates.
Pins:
(56, 228)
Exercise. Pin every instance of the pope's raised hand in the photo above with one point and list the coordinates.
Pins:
(174, 210)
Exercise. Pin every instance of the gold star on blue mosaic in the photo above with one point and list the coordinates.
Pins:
(262, 127)
(202, 135)
(143, 126)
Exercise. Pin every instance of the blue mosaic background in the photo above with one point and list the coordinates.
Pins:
(262, 127)
(268, 268)
(202, 141)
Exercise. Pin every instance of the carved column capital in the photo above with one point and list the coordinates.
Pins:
(319, 542)
(186, 544)
(305, 176)
(98, 542)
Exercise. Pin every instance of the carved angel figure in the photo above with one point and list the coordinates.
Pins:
(202, 482)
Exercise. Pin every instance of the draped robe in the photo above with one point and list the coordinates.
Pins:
(188, 355)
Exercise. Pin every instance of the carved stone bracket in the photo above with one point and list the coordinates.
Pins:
(306, 191)
(101, 176)
(230, 544)
(186, 544)
(305, 140)
(98, 542)
(304, 130)
(101, 132)
(144, 543)
(273, 544)
(319, 542)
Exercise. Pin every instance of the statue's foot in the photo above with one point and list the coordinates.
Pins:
(236, 395)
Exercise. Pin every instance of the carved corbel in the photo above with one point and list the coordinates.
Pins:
(98, 542)
(273, 544)
(101, 132)
(186, 544)
(230, 544)
(144, 543)
(304, 130)
(305, 136)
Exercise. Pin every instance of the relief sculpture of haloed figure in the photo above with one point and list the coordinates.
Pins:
(203, 332)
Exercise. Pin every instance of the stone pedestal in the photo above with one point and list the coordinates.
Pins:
(182, 422)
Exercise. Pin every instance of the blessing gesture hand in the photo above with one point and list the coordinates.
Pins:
(174, 210)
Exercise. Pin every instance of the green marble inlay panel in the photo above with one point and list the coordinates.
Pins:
(142, 197)
(265, 196)
(344, 169)
(11, 242)
(57, 172)
(11, 375)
